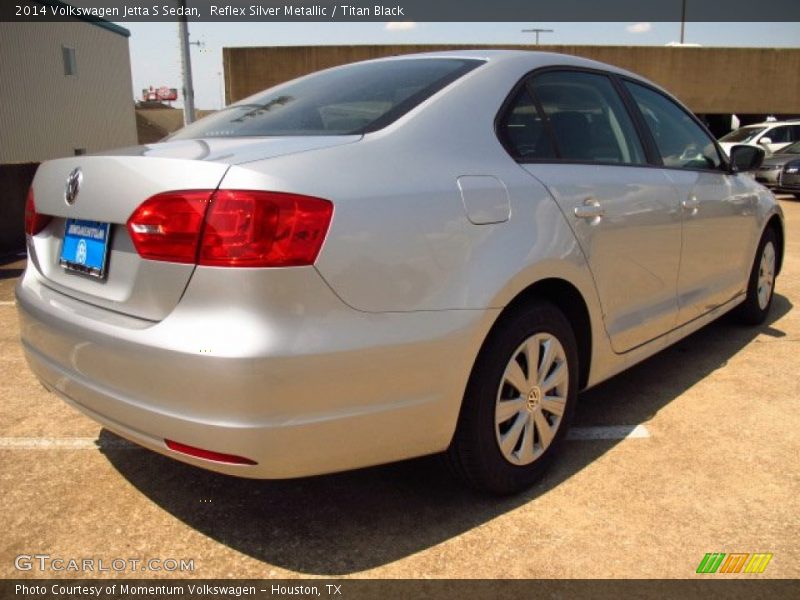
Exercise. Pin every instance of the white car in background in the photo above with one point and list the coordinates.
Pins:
(770, 135)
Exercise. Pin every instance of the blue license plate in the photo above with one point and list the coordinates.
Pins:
(85, 247)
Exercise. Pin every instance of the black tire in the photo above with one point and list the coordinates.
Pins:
(475, 455)
(751, 311)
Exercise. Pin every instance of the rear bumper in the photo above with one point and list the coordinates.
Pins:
(302, 388)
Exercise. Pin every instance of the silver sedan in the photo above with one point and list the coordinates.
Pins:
(421, 254)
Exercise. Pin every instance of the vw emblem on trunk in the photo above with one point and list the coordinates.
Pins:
(73, 185)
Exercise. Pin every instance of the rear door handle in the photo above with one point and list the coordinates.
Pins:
(591, 210)
(690, 205)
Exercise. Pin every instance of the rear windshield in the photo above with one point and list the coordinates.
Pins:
(743, 134)
(349, 100)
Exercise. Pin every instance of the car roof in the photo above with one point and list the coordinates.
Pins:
(532, 59)
(772, 123)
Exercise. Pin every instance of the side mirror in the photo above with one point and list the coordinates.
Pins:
(746, 158)
(765, 141)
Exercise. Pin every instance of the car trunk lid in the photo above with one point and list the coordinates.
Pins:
(112, 186)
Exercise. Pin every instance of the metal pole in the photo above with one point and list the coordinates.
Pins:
(683, 18)
(537, 31)
(186, 65)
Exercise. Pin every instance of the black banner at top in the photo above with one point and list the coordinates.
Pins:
(404, 10)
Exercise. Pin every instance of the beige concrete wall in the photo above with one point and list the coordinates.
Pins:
(168, 119)
(708, 80)
(46, 114)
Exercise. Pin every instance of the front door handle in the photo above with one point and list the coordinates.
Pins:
(590, 210)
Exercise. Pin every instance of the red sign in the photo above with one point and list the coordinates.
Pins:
(165, 93)
(162, 94)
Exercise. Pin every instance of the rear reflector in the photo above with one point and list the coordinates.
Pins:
(208, 454)
(34, 222)
(231, 228)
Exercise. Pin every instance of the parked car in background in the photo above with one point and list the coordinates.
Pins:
(779, 172)
(770, 135)
(413, 255)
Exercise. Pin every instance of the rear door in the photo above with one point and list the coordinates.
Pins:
(623, 211)
(718, 227)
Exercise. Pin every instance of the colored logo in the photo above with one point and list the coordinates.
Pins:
(80, 253)
(714, 562)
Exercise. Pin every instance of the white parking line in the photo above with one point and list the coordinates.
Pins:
(610, 432)
(7, 303)
(63, 444)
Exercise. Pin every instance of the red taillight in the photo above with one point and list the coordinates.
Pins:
(264, 229)
(231, 228)
(168, 226)
(208, 454)
(34, 222)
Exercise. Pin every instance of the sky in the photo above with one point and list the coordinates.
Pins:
(155, 58)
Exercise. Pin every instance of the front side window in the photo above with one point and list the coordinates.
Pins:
(348, 100)
(587, 117)
(779, 135)
(681, 142)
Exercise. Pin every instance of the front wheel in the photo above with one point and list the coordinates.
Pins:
(519, 401)
(761, 284)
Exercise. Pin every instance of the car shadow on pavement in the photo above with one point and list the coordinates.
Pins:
(349, 522)
(11, 265)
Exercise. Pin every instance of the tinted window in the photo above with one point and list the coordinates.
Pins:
(523, 131)
(70, 64)
(348, 100)
(587, 116)
(742, 135)
(680, 140)
(779, 135)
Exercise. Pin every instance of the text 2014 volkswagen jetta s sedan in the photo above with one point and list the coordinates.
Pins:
(421, 254)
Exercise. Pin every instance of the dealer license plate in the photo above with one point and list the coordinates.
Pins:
(85, 248)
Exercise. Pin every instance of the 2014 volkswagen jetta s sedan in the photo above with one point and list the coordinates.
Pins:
(407, 256)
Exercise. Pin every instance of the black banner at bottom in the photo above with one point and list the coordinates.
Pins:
(389, 589)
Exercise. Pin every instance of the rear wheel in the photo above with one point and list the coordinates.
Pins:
(519, 401)
(761, 285)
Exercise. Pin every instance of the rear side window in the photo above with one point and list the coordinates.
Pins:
(522, 130)
(681, 142)
(587, 117)
(352, 99)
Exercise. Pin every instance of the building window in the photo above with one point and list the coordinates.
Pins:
(70, 65)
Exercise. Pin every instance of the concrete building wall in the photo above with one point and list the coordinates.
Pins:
(46, 114)
(708, 80)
